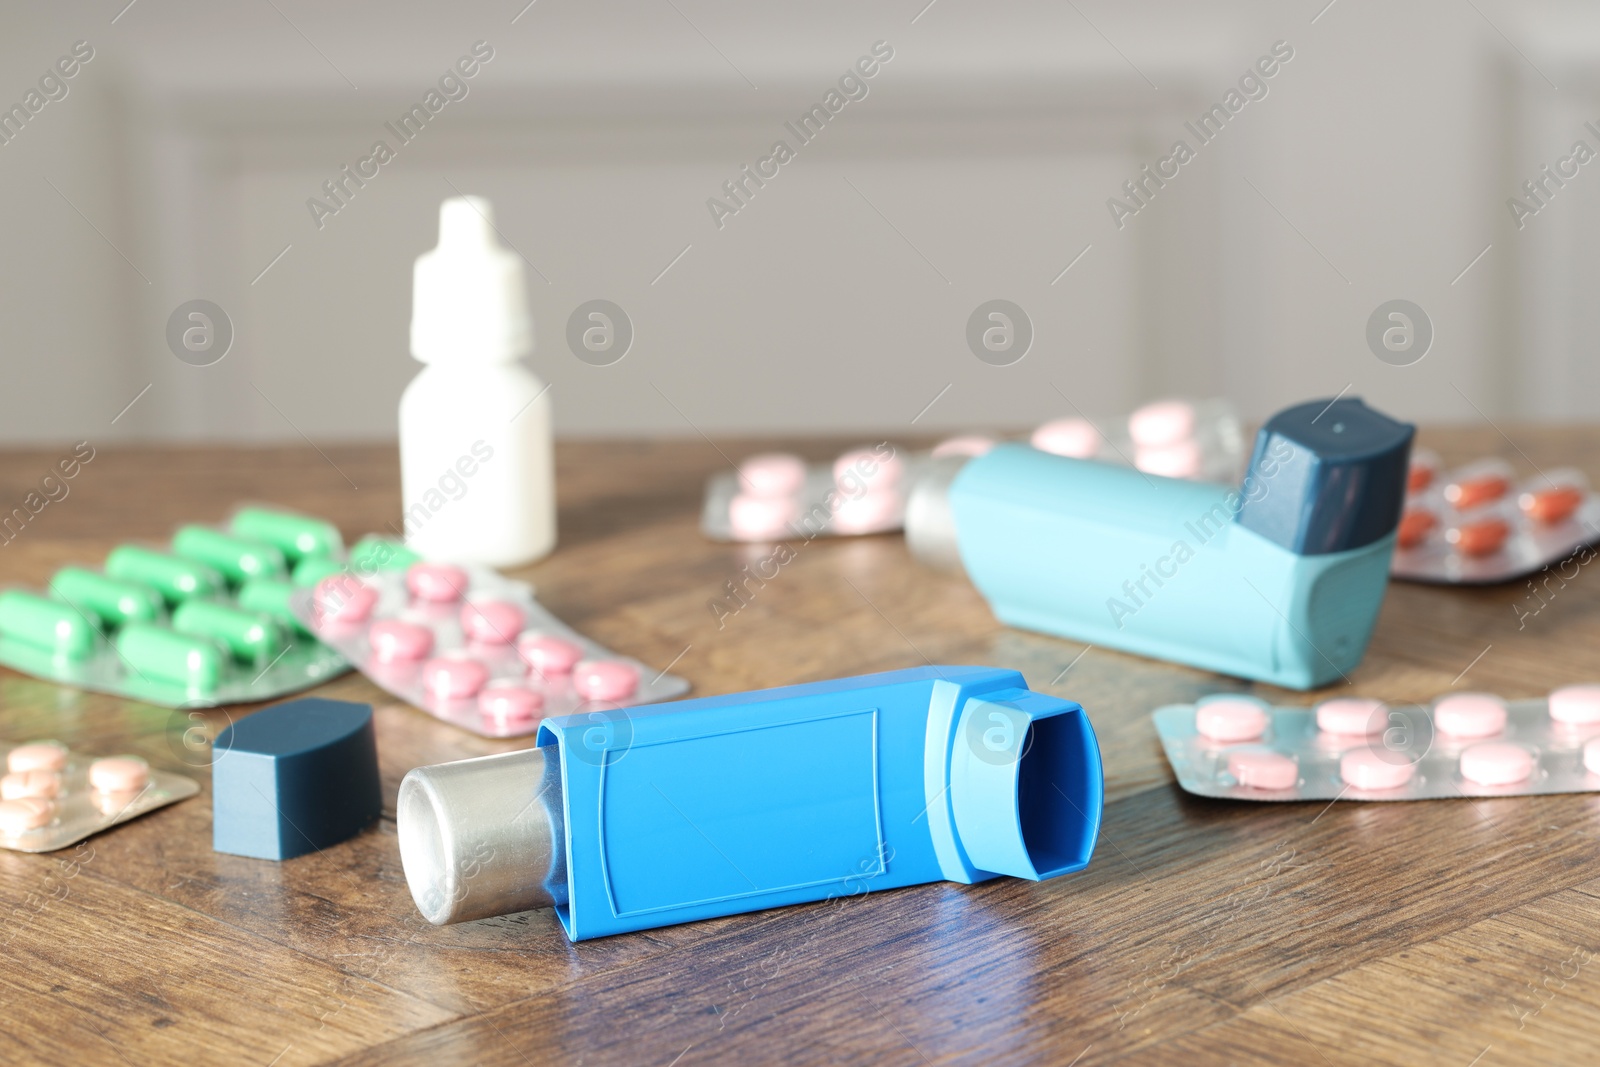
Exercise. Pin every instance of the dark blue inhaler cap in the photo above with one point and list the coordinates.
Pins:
(1327, 476)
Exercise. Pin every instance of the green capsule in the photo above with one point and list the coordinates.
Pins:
(297, 536)
(155, 652)
(313, 569)
(111, 600)
(373, 554)
(250, 637)
(175, 579)
(270, 596)
(52, 625)
(237, 558)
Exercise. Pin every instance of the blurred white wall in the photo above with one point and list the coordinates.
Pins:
(1377, 166)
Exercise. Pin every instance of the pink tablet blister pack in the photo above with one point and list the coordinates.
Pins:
(1463, 744)
(51, 796)
(1200, 440)
(1479, 524)
(774, 496)
(473, 648)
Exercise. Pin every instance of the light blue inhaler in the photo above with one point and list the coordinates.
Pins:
(628, 820)
(1279, 580)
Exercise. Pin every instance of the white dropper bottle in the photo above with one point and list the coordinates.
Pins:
(476, 467)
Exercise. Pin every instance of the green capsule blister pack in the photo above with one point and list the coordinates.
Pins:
(205, 621)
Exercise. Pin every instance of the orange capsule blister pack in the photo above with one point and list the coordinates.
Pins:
(1479, 524)
(1461, 745)
(51, 797)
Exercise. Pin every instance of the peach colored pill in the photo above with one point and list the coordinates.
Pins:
(1229, 720)
(772, 474)
(1351, 716)
(113, 803)
(1470, 715)
(755, 518)
(510, 703)
(1263, 769)
(863, 466)
(38, 756)
(28, 813)
(1415, 526)
(1479, 537)
(1496, 763)
(119, 774)
(1164, 422)
(453, 679)
(343, 598)
(549, 656)
(439, 582)
(1181, 460)
(1591, 755)
(1576, 704)
(491, 622)
(969, 444)
(604, 679)
(1074, 438)
(394, 640)
(1470, 492)
(1362, 768)
(1550, 506)
(1419, 478)
(30, 784)
(870, 512)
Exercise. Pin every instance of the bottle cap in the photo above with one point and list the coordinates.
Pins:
(469, 301)
(1327, 477)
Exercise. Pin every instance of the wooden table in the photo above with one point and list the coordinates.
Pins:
(1450, 932)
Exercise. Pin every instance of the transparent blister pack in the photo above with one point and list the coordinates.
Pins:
(201, 622)
(51, 796)
(1200, 440)
(1462, 745)
(1477, 524)
(473, 648)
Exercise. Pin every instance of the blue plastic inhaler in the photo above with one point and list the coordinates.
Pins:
(690, 810)
(1279, 580)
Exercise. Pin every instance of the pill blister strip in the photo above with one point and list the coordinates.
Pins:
(1529, 547)
(505, 664)
(814, 505)
(1201, 764)
(78, 808)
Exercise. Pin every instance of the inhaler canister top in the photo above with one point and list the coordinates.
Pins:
(469, 296)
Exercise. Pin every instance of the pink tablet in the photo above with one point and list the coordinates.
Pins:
(21, 784)
(1352, 716)
(397, 641)
(965, 445)
(1576, 704)
(1230, 719)
(873, 511)
(1470, 715)
(863, 466)
(1181, 460)
(453, 679)
(1363, 768)
(549, 657)
(491, 622)
(1074, 438)
(754, 518)
(504, 703)
(28, 813)
(772, 474)
(1164, 422)
(1496, 763)
(1263, 769)
(343, 598)
(119, 774)
(438, 582)
(37, 756)
(605, 679)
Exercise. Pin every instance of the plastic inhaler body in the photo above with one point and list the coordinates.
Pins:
(1279, 580)
(701, 808)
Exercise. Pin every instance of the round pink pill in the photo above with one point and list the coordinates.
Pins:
(604, 679)
(755, 518)
(772, 474)
(510, 703)
(343, 598)
(549, 656)
(869, 513)
(969, 444)
(28, 813)
(1074, 438)
(1351, 716)
(30, 784)
(119, 774)
(1263, 769)
(1576, 704)
(491, 622)
(1230, 719)
(863, 466)
(395, 640)
(1164, 422)
(1181, 460)
(453, 679)
(1470, 715)
(439, 582)
(37, 756)
(1591, 755)
(1496, 763)
(1362, 768)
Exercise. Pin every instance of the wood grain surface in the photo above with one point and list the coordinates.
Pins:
(1459, 932)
